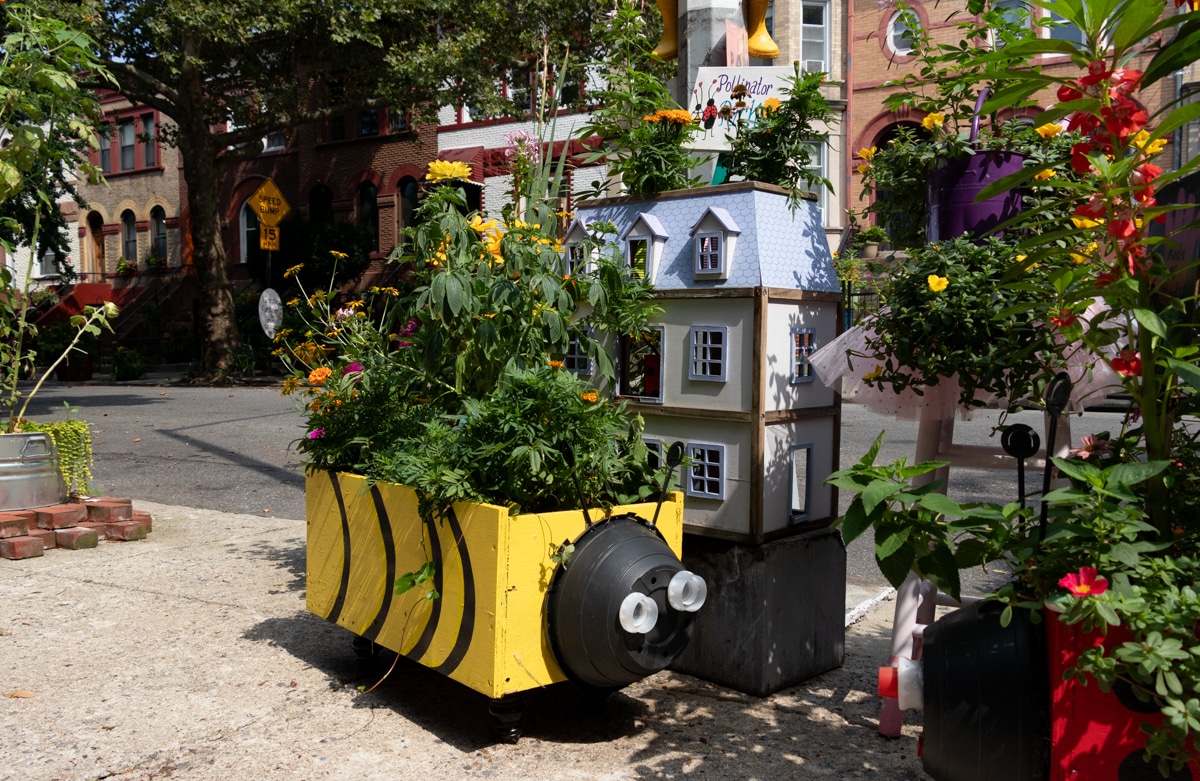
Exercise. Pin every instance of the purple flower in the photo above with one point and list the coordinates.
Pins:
(403, 343)
(352, 368)
(412, 327)
(316, 433)
(1092, 446)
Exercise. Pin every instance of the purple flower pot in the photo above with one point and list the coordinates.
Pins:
(954, 184)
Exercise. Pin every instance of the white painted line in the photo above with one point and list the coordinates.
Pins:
(859, 611)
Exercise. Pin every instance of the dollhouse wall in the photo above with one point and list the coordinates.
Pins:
(732, 314)
(785, 319)
(793, 490)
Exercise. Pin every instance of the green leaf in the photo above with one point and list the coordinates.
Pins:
(1150, 321)
(1188, 372)
(876, 492)
(855, 521)
(941, 504)
(887, 543)
(409, 580)
(1134, 472)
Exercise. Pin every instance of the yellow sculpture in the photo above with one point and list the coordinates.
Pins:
(760, 43)
(668, 47)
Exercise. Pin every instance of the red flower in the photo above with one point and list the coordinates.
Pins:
(1084, 583)
(1128, 363)
(1144, 174)
(1124, 118)
(1093, 209)
(1105, 279)
(1064, 318)
(1079, 158)
(1067, 93)
(1097, 72)
(1083, 121)
(1121, 228)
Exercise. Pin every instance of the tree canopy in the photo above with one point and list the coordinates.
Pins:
(269, 65)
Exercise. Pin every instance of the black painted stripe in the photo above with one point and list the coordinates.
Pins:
(435, 550)
(340, 601)
(466, 628)
(389, 574)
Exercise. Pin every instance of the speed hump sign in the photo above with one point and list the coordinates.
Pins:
(268, 237)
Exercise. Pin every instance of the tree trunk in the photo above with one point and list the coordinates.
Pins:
(203, 174)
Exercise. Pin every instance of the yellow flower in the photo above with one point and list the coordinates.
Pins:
(554, 364)
(937, 284)
(478, 224)
(290, 384)
(862, 169)
(440, 170)
(316, 298)
(1084, 222)
(386, 291)
(1141, 140)
(1045, 173)
(1088, 252)
(1049, 130)
(293, 302)
(867, 154)
(771, 105)
(933, 120)
(493, 244)
(878, 370)
(319, 375)
(338, 255)
(292, 270)
(589, 396)
(835, 254)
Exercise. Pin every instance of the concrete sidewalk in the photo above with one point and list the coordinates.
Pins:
(189, 655)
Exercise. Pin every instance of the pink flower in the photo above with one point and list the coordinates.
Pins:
(351, 368)
(1090, 446)
(1084, 583)
(316, 433)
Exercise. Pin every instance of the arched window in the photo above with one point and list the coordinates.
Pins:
(95, 247)
(249, 231)
(406, 214)
(903, 32)
(368, 212)
(320, 204)
(158, 234)
(129, 248)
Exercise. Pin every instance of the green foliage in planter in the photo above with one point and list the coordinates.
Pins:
(128, 364)
(778, 147)
(73, 441)
(53, 341)
(954, 308)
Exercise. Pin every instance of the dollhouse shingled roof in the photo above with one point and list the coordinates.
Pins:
(775, 248)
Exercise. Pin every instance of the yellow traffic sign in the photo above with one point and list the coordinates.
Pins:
(269, 204)
(268, 237)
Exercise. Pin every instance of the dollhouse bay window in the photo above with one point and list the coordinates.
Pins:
(640, 366)
(706, 475)
(713, 238)
(644, 241)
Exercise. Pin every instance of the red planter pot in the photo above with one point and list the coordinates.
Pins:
(1096, 736)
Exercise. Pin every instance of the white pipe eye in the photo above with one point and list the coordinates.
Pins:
(638, 613)
(687, 591)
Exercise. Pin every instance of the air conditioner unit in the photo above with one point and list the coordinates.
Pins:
(814, 66)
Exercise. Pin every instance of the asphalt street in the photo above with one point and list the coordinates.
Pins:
(230, 449)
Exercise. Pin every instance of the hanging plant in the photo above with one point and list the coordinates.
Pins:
(73, 441)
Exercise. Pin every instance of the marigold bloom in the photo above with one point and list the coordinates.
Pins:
(441, 170)
(1084, 583)
(318, 375)
(589, 396)
(554, 364)
(1049, 130)
(937, 284)
(771, 105)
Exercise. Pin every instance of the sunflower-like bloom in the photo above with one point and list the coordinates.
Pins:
(442, 170)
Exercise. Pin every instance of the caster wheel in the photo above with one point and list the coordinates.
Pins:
(507, 712)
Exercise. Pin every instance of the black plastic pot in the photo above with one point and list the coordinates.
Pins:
(987, 701)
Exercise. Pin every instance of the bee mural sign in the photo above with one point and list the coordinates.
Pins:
(723, 96)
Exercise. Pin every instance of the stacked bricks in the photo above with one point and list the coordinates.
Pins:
(28, 533)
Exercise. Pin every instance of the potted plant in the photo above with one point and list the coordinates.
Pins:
(126, 267)
(1109, 563)
(444, 419)
(47, 134)
(868, 240)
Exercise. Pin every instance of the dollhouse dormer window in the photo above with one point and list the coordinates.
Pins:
(644, 241)
(576, 259)
(579, 251)
(713, 238)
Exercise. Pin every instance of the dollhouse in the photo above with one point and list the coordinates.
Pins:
(748, 292)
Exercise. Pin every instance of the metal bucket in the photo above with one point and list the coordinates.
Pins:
(29, 474)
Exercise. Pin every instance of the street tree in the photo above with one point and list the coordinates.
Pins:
(229, 72)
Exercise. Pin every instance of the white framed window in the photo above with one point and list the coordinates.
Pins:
(576, 359)
(637, 254)
(814, 37)
(126, 133)
(710, 253)
(1062, 30)
(149, 147)
(576, 258)
(800, 483)
(654, 452)
(706, 473)
(275, 142)
(249, 230)
(902, 31)
(816, 156)
(46, 265)
(709, 353)
(641, 362)
(105, 138)
(804, 342)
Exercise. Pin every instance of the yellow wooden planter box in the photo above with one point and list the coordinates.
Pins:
(487, 630)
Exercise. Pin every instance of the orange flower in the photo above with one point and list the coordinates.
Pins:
(319, 375)
(589, 396)
(554, 364)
